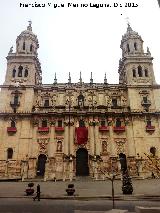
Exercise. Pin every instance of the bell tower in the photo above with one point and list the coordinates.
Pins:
(23, 66)
(23, 74)
(135, 66)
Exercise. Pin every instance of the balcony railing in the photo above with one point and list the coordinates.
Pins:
(11, 129)
(104, 128)
(59, 129)
(43, 129)
(119, 128)
(150, 128)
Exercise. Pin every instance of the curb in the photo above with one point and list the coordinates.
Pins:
(76, 197)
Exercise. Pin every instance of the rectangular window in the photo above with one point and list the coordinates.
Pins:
(145, 99)
(59, 123)
(103, 123)
(46, 103)
(44, 123)
(114, 102)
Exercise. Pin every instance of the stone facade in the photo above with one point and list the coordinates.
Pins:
(39, 122)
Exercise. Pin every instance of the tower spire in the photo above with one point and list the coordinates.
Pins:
(80, 79)
(69, 79)
(30, 25)
(91, 79)
(55, 79)
(105, 79)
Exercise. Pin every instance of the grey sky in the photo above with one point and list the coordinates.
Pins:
(79, 39)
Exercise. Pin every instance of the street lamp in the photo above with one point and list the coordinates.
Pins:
(112, 180)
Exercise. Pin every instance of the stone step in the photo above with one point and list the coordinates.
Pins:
(110, 211)
(34, 180)
(140, 209)
(84, 178)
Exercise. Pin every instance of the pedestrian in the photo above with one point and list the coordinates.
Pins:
(38, 193)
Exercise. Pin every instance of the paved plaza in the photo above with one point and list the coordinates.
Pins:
(84, 189)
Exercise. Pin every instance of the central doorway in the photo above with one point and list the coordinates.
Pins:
(41, 165)
(82, 168)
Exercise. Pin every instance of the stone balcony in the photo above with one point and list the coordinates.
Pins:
(150, 128)
(59, 129)
(43, 129)
(11, 129)
(103, 128)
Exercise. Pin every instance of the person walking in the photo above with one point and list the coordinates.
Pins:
(38, 193)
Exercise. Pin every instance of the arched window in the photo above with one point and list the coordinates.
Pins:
(80, 100)
(135, 45)
(44, 123)
(140, 71)
(118, 122)
(146, 72)
(134, 72)
(13, 124)
(20, 68)
(9, 153)
(31, 48)
(16, 99)
(25, 73)
(14, 73)
(128, 49)
(24, 46)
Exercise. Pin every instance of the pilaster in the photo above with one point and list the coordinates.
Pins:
(52, 143)
(91, 139)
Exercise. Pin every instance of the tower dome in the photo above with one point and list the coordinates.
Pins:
(131, 43)
(27, 42)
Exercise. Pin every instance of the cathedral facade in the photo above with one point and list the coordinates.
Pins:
(61, 131)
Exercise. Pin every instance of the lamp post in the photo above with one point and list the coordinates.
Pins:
(112, 180)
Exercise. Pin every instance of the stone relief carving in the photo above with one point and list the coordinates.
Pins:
(120, 144)
(123, 101)
(43, 142)
(104, 147)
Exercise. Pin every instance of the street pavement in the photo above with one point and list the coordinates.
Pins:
(142, 189)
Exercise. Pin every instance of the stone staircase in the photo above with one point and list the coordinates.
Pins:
(83, 179)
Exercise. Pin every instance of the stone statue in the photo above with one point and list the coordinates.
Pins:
(11, 50)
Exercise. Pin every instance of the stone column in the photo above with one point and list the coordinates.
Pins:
(52, 143)
(97, 142)
(91, 138)
(130, 141)
(66, 143)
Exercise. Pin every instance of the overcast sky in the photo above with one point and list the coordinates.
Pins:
(74, 39)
